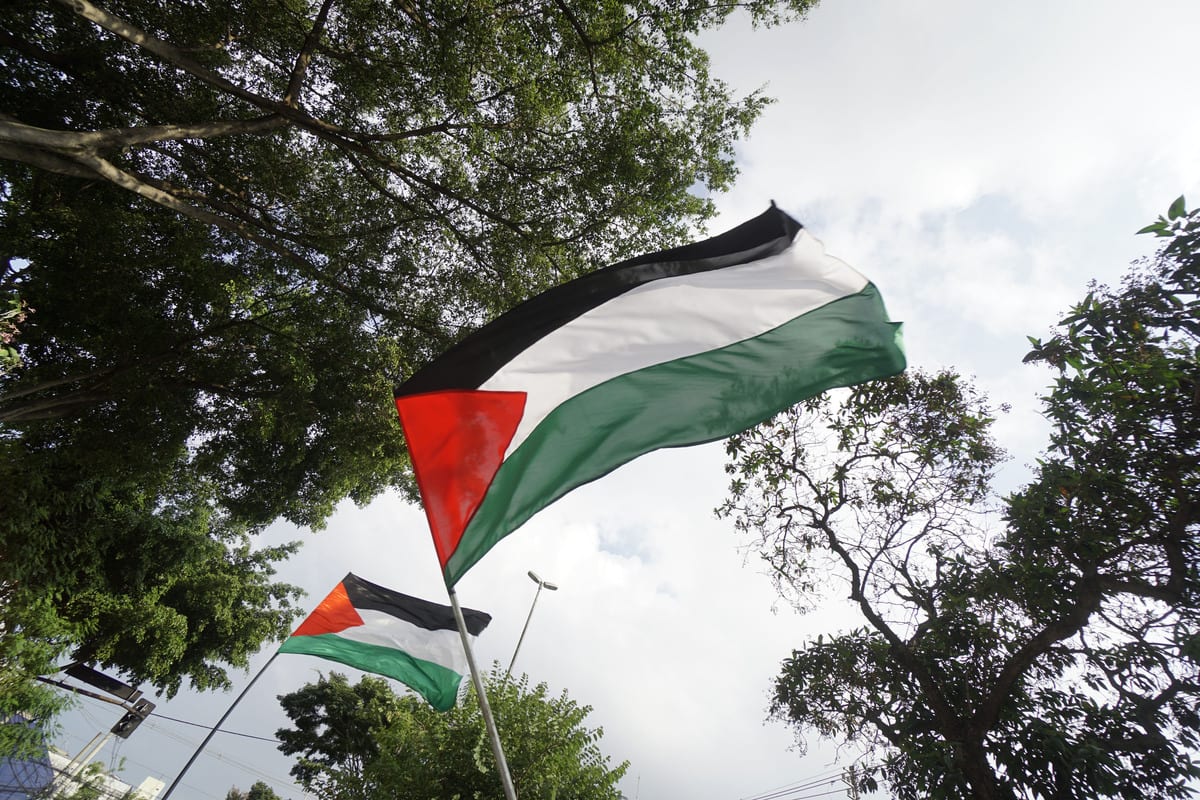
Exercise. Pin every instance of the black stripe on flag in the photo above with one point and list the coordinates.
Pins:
(365, 595)
(480, 355)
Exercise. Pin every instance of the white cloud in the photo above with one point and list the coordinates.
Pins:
(928, 106)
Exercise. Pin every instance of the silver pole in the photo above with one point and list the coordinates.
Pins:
(215, 728)
(90, 749)
(541, 585)
(497, 751)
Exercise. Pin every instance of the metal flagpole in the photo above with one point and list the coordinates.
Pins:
(497, 751)
(215, 728)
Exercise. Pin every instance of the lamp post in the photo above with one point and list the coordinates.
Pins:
(541, 585)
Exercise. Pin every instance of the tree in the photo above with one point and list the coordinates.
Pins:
(335, 173)
(1043, 645)
(227, 229)
(259, 791)
(363, 741)
(28, 707)
(150, 580)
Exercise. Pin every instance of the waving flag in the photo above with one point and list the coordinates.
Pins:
(673, 348)
(378, 630)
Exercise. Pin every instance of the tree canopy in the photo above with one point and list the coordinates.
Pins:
(363, 741)
(226, 230)
(334, 173)
(1043, 644)
(259, 791)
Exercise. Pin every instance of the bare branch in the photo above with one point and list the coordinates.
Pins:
(292, 96)
(168, 52)
(19, 133)
(1068, 623)
(181, 60)
(45, 160)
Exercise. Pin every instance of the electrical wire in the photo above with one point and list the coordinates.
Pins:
(780, 791)
(820, 780)
(212, 752)
(156, 715)
(822, 794)
(272, 739)
(151, 721)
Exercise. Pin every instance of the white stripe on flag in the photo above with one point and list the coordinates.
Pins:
(669, 319)
(441, 646)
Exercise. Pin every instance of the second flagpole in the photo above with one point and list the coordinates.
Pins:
(212, 732)
(497, 750)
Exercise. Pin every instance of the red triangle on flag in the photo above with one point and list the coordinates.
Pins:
(336, 613)
(456, 440)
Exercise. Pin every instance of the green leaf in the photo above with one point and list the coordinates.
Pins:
(1177, 209)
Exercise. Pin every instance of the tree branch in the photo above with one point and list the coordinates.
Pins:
(588, 44)
(45, 160)
(52, 408)
(1069, 623)
(951, 725)
(167, 52)
(181, 60)
(127, 181)
(19, 133)
(292, 96)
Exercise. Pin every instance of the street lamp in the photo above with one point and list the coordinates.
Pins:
(541, 585)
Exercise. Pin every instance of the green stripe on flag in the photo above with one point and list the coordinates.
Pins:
(686, 401)
(436, 683)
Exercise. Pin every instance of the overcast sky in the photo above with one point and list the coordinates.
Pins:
(980, 162)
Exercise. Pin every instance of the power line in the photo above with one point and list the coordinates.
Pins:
(822, 794)
(816, 785)
(187, 722)
(789, 791)
(272, 739)
(808, 783)
(279, 782)
(212, 752)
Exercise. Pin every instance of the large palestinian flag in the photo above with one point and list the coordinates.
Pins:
(378, 630)
(674, 348)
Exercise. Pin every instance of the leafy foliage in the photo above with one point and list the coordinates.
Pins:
(227, 229)
(1044, 647)
(151, 580)
(26, 706)
(259, 791)
(12, 313)
(363, 741)
(354, 168)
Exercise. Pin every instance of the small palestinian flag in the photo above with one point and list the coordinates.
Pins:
(674, 348)
(378, 630)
